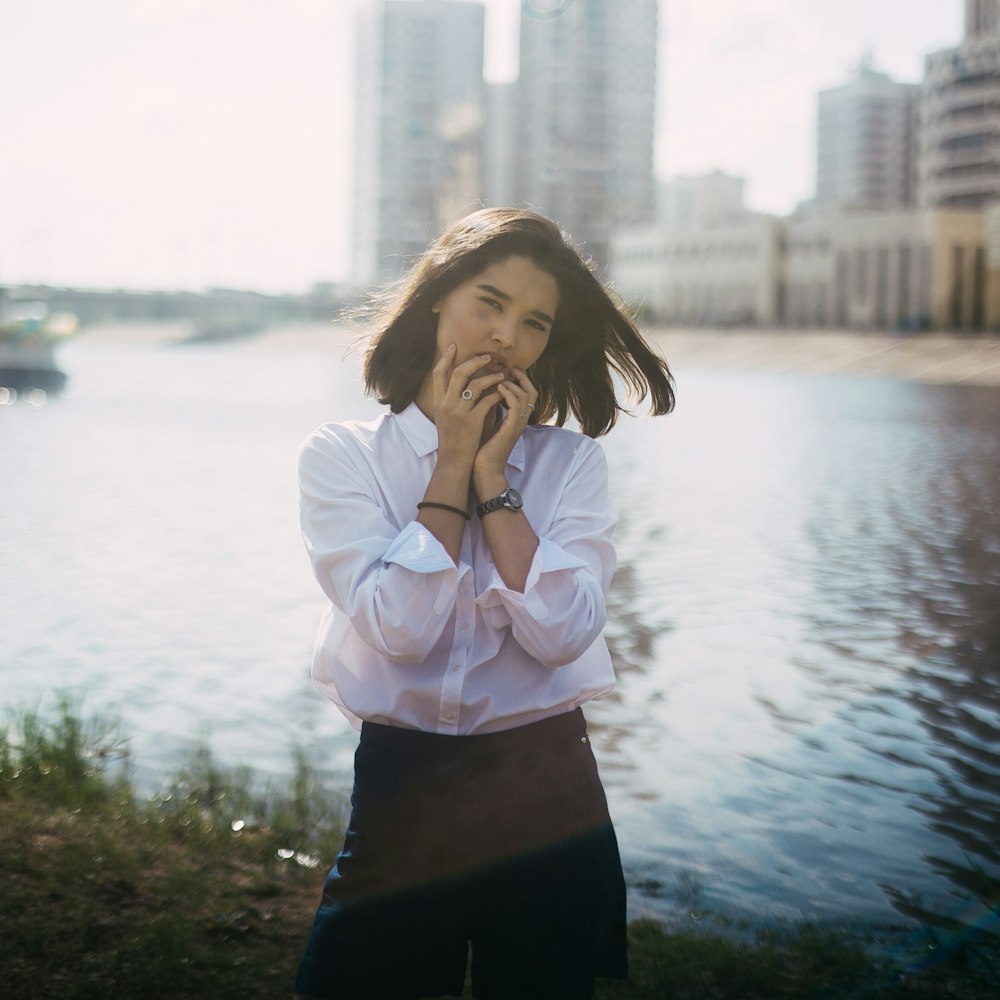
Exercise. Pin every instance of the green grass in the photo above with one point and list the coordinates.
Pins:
(207, 890)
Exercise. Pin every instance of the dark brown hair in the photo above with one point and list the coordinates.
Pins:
(592, 337)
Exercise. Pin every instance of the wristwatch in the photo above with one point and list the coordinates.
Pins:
(510, 499)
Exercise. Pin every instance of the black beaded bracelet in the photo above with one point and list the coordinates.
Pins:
(443, 506)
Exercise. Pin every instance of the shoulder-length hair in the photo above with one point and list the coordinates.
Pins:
(592, 339)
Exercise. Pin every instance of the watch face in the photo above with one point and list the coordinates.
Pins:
(514, 500)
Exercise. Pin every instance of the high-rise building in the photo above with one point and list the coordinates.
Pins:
(501, 144)
(419, 127)
(586, 96)
(960, 116)
(982, 18)
(866, 143)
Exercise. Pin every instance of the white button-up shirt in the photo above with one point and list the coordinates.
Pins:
(409, 638)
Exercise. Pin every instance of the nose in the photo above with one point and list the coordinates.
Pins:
(505, 331)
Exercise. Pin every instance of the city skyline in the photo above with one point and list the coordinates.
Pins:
(193, 143)
(584, 147)
(420, 113)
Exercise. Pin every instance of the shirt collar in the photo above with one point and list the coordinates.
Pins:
(421, 434)
(418, 430)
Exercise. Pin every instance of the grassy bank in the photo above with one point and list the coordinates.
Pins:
(207, 889)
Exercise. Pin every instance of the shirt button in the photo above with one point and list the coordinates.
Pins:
(450, 716)
(456, 666)
(464, 627)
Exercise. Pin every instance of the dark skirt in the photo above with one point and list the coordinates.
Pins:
(502, 841)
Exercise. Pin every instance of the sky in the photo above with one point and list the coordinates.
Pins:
(196, 143)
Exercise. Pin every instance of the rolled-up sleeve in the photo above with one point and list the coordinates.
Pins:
(562, 609)
(396, 586)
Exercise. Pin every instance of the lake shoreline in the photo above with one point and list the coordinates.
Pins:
(932, 358)
(938, 358)
(208, 890)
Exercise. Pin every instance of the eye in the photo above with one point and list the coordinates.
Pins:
(490, 301)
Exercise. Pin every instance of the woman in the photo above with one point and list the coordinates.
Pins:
(464, 542)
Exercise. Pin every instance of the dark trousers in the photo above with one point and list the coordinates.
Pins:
(502, 841)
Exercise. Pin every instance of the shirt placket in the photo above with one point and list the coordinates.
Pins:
(461, 648)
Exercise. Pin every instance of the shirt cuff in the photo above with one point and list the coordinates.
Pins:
(417, 549)
(549, 558)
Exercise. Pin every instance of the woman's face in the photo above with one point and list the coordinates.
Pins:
(506, 311)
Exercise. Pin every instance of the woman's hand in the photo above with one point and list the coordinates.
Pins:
(459, 403)
(488, 470)
(509, 534)
(460, 418)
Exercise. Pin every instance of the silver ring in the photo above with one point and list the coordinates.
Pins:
(466, 394)
(531, 406)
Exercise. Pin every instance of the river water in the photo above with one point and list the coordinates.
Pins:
(806, 617)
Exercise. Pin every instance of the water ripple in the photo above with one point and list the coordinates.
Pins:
(805, 619)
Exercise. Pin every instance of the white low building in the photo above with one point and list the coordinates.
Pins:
(910, 270)
(724, 275)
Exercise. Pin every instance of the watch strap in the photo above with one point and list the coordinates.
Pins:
(488, 506)
(498, 502)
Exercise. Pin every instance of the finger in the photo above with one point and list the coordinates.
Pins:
(521, 377)
(459, 382)
(519, 394)
(446, 360)
(527, 385)
(486, 402)
(484, 383)
(441, 370)
(469, 367)
(516, 400)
